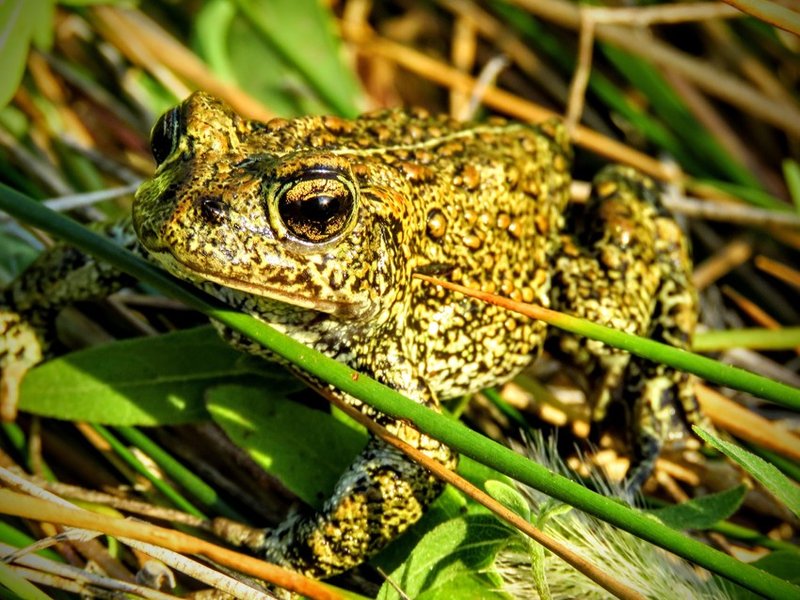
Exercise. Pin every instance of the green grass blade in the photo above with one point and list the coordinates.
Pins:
(754, 338)
(180, 474)
(140, 468)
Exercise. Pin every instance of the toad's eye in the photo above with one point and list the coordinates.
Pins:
(165, 135)
(318, 206)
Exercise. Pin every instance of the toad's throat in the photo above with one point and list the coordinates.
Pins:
(187, 269)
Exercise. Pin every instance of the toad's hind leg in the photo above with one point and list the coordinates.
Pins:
(628, 267)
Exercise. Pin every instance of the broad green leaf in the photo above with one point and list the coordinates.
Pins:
(767, 474)
(703, 512)
(21, 21)
(510, 497)
(283, 53)
(782, 563)
(306, 449)
(454, 560)
(147, 381)
(15, 255)
(302, 32)
(238, 52)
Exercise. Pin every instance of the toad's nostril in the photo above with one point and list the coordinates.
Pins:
(213, 210)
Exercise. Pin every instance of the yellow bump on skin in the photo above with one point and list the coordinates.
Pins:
(542, 224)
(471, 176)
(472, 241)
(415, 132)
(512, 177)
(415, 171)
(337, 124)
(560, 163)
(484, 219)
(506, 287)
(470, 216)
(503, 220)
(276, 124)
(360, 170)
(515, 295)
(539, 279)
(424, 157)
(437, 224)
(527, 294)
(320, 139)
(489, 287)
(515, 229)
(510, 324)
(606, 189)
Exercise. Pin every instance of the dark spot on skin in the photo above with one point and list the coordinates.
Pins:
(213, 210)
(435, 269)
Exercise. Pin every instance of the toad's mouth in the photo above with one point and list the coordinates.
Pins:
(194, 272)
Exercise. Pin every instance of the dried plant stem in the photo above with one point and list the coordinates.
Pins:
(770, 12)
(779, 270)
(643, 16)
(730, 212)
(731, 255)
(146, 44)
(705, 76)
(509, 44)
(744, 423)
(158, 542)
(580, 79)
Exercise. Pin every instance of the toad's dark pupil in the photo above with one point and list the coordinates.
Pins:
(165, 135)
(320, 208)
(316, 217)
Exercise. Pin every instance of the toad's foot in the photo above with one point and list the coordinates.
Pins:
(378, 497)
(20, 350)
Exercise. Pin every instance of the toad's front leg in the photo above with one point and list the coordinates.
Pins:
(60, 276)
(380, 495)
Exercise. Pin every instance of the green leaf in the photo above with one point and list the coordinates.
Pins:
(303, 34)
(21, 21)
(306, 449)
(148, 381)
(767, 474)
(703, 512)
(510, 497)
(283, 53)
(453, 560)
(15, 255)
(783, 564)
(240, 53)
